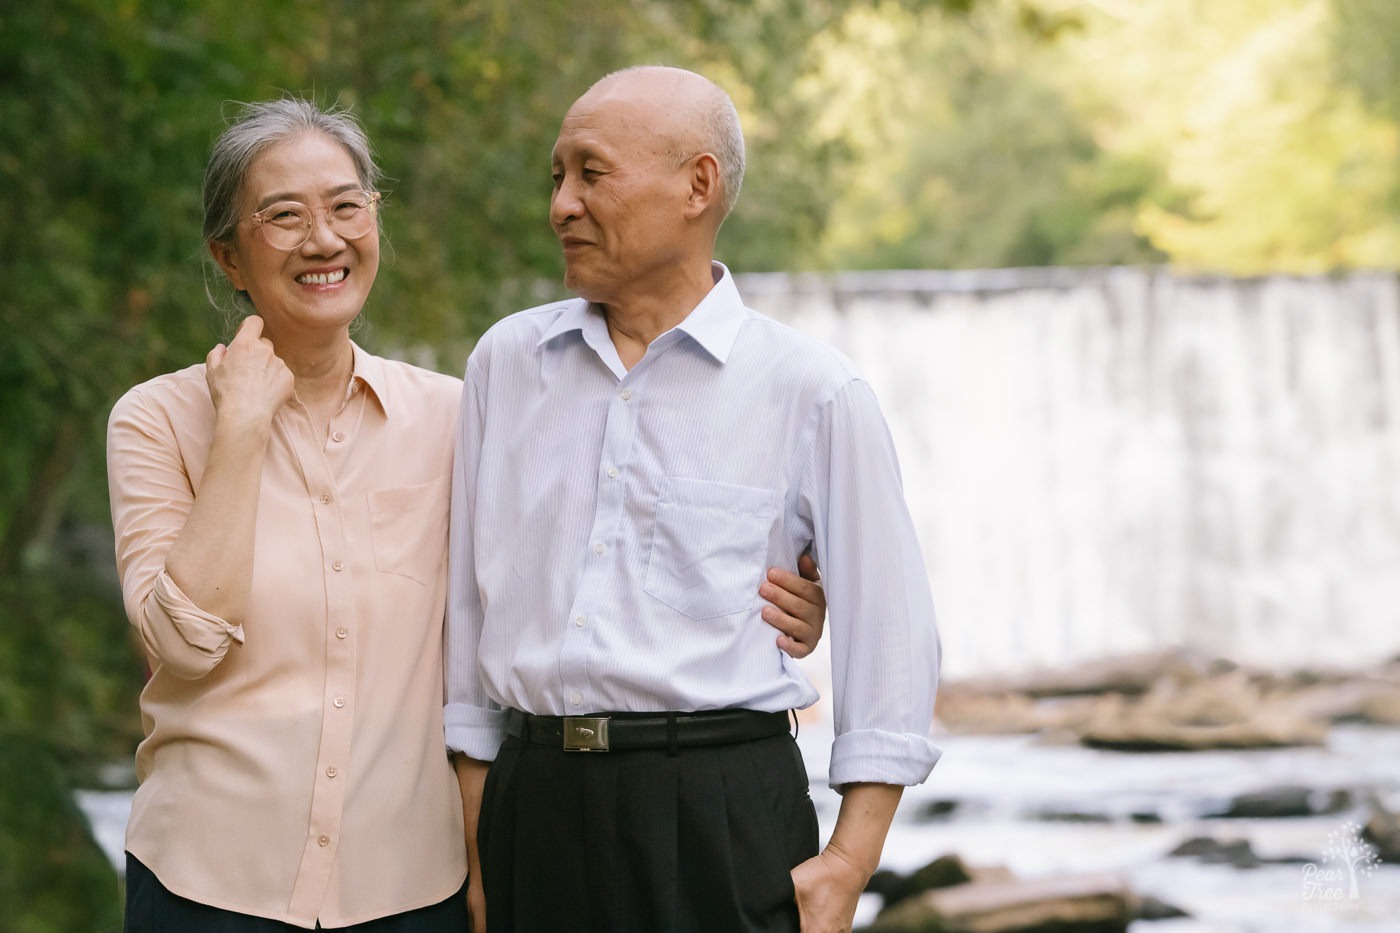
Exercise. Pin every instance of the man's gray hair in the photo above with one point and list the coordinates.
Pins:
(725, 138)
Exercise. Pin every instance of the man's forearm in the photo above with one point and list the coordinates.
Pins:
(471, 780)
(829, 886)
(867, 810)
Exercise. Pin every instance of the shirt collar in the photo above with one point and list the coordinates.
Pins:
(368, 371)
(713, 324)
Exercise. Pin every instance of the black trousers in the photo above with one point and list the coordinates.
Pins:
(152, 908)
(702, 841)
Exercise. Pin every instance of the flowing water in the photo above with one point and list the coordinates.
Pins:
(1108, 460)
(1043, 810)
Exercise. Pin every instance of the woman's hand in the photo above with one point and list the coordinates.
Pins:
(247, 379)
(797, 606)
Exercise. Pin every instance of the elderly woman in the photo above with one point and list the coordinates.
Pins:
(281, 534)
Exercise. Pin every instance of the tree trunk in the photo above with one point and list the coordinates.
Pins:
(50, 479)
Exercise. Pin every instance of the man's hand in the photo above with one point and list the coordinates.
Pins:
(797, 606)
(828, 887)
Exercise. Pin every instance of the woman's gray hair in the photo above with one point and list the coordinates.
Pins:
(254, 129)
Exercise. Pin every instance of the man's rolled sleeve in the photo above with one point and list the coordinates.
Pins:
(473, 731)
(884, 636)
(873, 756)
(473, 724)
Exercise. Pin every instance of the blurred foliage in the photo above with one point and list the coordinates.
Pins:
(1251, 136)
(968, 155)
(53, 876)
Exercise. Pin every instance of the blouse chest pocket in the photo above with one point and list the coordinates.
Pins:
(709, 544)
(408, 525)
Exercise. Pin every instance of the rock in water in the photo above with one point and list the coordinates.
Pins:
(1069, 904)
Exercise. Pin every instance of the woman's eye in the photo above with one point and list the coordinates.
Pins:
(287, 216)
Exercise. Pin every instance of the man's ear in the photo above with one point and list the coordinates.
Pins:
(705, 185)
(226, 255)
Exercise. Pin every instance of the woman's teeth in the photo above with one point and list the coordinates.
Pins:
(321, 278)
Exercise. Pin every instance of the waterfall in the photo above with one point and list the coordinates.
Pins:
(1103, 461)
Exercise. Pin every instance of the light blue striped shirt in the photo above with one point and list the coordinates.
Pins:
(610, 529)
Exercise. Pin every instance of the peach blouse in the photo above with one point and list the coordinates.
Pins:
(293, 766)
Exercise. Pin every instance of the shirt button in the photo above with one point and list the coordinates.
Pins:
(342, 632)
(338, 566)
(627, 395)
(576, 699)
(339, 702)
(323, 841)
(599, 548)
(331, 772)
(612, 472)
(325, 498)
(338, 436)
(579, 621)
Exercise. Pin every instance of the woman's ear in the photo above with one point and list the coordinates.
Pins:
(226, 255)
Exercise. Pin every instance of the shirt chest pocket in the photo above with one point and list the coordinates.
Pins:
(408, 525)
(708, 546)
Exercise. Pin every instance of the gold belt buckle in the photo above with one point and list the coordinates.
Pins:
(585, 733)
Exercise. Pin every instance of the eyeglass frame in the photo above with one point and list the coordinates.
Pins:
(375, 199)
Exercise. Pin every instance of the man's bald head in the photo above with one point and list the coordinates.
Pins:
(688, 113)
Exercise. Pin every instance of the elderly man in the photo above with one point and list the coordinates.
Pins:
(628, 464)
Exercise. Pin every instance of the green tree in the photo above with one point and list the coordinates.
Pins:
(1274, 165)
(968, 154)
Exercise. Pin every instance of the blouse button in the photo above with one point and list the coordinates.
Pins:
(339, 702)
(342, 632)
(338, 566)
(338, 436)
(325, 498)
(323, 841)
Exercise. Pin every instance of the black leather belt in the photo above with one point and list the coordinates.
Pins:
(619, 732)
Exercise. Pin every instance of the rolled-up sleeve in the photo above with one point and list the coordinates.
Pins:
(884, 637)
(473, 724)
(151, 496)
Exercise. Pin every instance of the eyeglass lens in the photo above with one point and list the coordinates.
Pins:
(287, 225)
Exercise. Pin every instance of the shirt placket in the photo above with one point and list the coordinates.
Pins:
(330, 778)
(603, 560)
